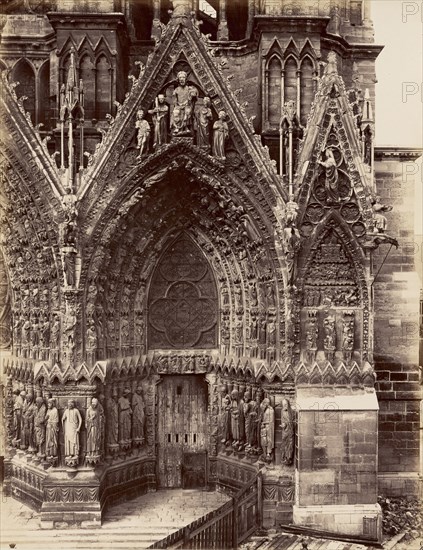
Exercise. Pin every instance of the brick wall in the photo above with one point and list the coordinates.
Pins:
(396, 323)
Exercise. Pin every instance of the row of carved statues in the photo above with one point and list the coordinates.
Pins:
(117, 426)
(327, 331)
(247, 424)
(184, 121)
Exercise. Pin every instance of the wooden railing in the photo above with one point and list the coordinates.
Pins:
(225, 527)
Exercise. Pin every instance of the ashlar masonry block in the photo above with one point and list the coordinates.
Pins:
(336, 471)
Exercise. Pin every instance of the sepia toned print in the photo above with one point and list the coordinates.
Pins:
(209, 307)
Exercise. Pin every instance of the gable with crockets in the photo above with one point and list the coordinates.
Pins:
(335, 219)
(181, 48)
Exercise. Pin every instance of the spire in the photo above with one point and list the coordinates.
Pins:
(367, 130)
(72, 90)
(71, 110)
(367, 116)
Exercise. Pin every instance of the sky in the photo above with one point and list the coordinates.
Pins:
(399, 89)
(399, 68)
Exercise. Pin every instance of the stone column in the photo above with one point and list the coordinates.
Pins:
(251, 13)
(367, 15)
(155, 27)
(222, 30)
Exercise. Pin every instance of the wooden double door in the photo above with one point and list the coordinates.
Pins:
(182, 431)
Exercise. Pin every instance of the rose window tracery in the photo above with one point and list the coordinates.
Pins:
(183, 299)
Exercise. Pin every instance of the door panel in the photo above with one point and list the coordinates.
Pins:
(182, 410)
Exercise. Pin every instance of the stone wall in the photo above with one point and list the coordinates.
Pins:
(396, 326)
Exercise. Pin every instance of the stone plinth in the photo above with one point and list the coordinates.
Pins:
(336, 474)
(360, 520)
(77, 497)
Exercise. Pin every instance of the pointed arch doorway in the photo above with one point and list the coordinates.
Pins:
(182, 320)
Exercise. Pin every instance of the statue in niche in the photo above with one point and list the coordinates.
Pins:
(40, 426)
(225, 296)
(45, 336)
(287, 425)
(35, 337)
(329, 341)
(125, 414)
(94, 423)
(291, 211)
(52, 431)
(348, 338)
(220, 135)
(26, 332)
(55, 338)
(204, 117)
(226, 419)
(91, 337)
(331, 176)
(270, 295)
(241, 423)
(112, 434)
(71, 422)
(267, 429)
(235, 418)
(379, 220)
(69, 265)
(143, 133)
(27, 430)
(184, 97)
(160, 113)
(254, 328)
(17, 331)
(69, 233)
(312, 332)
(245, 412)
(291, 244)
(253, 295)
(226, 335)
(239, 331)
(69, 204)
(271, 332)
(253, 422)
(263, 331)
(18, 406)
(138, 417)
(367, 138)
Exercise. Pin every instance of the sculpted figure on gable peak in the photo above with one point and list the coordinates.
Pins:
(181, 8)
(184, 96)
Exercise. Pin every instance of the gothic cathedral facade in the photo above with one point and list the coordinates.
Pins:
(200, 262)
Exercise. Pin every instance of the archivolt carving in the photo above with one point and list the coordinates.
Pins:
(182, 197)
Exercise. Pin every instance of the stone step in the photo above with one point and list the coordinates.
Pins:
(78, 539)
(76, 545)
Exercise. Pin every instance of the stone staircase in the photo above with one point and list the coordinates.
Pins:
(134, 524)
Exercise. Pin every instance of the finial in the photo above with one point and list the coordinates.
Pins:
(332, 66)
